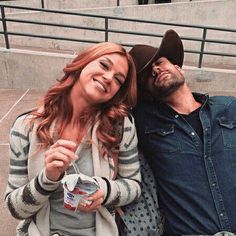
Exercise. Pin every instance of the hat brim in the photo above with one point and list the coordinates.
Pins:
(171, 47)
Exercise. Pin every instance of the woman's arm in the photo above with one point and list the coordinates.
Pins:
(24, 197)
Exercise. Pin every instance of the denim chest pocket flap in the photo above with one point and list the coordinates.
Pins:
(162, 131)
(228, 128)
(163, 139)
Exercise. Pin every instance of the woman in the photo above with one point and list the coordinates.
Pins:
(85, 113)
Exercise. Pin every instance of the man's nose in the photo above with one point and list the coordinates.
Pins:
(155, 70)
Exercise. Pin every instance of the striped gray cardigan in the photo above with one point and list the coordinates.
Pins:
(28, 189)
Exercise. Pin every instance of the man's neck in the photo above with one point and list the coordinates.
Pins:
(182, 101)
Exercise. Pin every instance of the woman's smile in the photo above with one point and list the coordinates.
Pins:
(100, 85)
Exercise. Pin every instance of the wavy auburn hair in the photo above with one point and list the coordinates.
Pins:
(57, 103)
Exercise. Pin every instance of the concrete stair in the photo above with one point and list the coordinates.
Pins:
(193, 13)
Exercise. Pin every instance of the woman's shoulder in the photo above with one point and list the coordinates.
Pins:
(129, 132)
(129, 121)
(22, 122)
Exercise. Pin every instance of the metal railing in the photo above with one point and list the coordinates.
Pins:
(108, 30)
(43, 5)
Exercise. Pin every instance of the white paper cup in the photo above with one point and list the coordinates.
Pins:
(77, 187)
(73, 199)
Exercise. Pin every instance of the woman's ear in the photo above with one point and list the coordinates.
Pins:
(179, 69)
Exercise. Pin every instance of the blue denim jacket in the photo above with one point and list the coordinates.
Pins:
(196, 179)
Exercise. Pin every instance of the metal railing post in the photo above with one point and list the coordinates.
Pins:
(106, 29)
(4, 26)
(203, 39)
(42, 3)
(202, 48)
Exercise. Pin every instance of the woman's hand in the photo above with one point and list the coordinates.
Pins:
(58, 158)
(96, 202)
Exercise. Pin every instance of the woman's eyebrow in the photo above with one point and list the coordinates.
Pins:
(108, 60)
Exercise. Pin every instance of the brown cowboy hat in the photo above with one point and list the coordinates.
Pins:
(171, 47)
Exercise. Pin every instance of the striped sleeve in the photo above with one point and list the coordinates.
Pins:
(23, 197)
(126, 188)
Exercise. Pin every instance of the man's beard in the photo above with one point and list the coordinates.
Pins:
(162, 92)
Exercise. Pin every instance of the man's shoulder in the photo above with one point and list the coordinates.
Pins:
(222, 100)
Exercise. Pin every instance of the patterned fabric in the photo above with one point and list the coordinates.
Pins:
(143, 217)
(28, 188)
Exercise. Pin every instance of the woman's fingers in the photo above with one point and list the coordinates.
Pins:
(96, 202)
(57, 164)
(91, 207)
(65, 143)
(59, 153)
(58, 158)
(97, 195)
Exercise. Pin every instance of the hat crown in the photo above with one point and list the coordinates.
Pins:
(171, 47)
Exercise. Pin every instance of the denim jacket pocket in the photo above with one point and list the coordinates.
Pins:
(228, 128)
(163, 139)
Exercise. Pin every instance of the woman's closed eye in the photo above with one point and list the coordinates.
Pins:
(105, 65)
(119, 80)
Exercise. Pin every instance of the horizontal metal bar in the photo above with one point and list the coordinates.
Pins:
(220, 41)
(120, 18)
(183, 38)
(134, 33)
(116, 31)
(220, 54)
(53, 37)
(54, 24)
(96, 41)
(192, 51)
(211, 53)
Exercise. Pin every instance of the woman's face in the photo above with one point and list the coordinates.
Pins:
(102, 78)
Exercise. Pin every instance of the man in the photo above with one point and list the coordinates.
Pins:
(189, 139)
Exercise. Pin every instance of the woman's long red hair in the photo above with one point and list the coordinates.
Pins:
(57, 103)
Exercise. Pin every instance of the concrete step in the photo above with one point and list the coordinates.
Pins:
(28, 67)
(79, 4)
(197, 13)
(70, 4)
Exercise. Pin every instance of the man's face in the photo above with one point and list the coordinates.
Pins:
(163, 79)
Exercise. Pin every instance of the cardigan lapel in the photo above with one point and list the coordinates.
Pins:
(100, 164)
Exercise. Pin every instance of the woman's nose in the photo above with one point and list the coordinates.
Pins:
(108, 76)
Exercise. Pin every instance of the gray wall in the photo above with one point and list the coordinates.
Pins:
(211, 13)
(34, 70)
